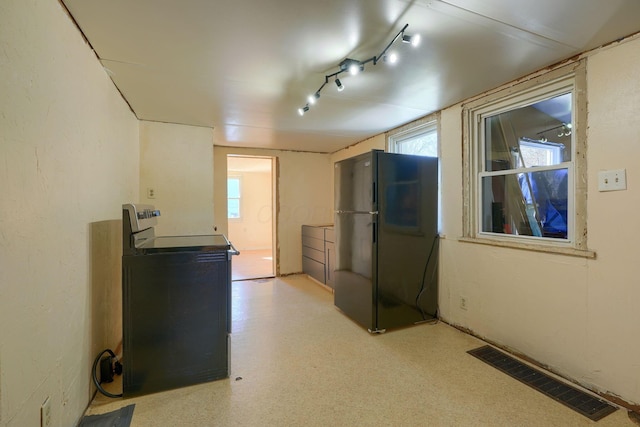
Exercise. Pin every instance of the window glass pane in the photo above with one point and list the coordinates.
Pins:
(537, 153)
(547, 123)
(526, 204)
(233, 206)
(233, 188)
(425, 144)
(233, 198)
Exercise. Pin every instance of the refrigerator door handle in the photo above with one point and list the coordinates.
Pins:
(357, 212)
(373, 195)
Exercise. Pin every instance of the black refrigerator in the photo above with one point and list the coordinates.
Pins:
(386, 225)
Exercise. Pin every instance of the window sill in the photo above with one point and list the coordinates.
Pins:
(532, 247)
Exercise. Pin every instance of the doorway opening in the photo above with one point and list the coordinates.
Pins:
(251, 215)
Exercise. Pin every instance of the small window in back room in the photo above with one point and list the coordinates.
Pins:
(233, 197)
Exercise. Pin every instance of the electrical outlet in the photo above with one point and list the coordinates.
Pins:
(151, 193)
(45, 413)
(463, 303)
(106, 371)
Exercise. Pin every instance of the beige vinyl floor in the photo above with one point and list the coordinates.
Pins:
(296, 360)
(252, 264)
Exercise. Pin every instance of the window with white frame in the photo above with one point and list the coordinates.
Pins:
(522, 164)
(233, 197)
(418, 139)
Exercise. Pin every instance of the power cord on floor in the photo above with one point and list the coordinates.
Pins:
(423, 288)
(117, 370)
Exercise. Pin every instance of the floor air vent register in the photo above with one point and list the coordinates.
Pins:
(583, 403)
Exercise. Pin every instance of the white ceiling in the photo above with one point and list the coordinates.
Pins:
(244, 67)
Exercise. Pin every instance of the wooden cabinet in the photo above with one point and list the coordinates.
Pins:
(318, 252)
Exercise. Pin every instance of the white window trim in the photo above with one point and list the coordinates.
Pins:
(413, 129)
(508, 99)
(528, 97)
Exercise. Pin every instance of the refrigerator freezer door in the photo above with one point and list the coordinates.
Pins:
(354, 190)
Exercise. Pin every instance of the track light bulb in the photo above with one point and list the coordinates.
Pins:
(303, 110)
(392, 58)
(312, 98)
(414, 39)
(355, 68)
(340, 85)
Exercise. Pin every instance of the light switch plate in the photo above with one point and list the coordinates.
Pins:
(612, 180)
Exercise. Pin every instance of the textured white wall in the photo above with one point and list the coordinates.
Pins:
(304, 197)
(69, 158)
(253, 230)
(612, 291)
(578, 316)
(177, 162)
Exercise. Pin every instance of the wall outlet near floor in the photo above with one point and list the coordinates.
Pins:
(151, 193)
(463, 303)
(45, 413)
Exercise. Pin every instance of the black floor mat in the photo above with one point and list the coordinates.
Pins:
(583, 403)
(120, 418)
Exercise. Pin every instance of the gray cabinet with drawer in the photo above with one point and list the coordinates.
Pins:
(318, 252)
(329, 255)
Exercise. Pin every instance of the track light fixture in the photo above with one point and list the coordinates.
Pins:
(564, 129)
(413, 40)
(354, 66)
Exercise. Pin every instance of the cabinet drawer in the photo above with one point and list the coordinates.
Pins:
(312, 242)
(313, 268)
(329, 235)
(329, 261)
(316, 232)
(313, 254)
